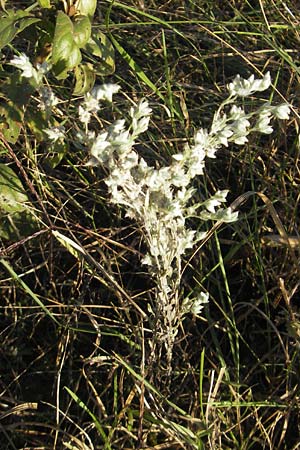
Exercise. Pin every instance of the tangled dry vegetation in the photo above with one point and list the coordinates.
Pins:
(76, 368)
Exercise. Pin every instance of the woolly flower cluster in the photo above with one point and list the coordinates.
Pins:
(91, 100)
(36, 76)
(23, 63)
(159, 199)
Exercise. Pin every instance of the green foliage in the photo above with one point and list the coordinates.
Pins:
(73, 51)
(96, 422)
(101, 51)
(56, 151)
(86, 7)
(65, 51)
(12, 23)
(66, 35)
(82, 30)
(11, 121)
(44, 3)
(14, 98)
(72, 36)
(85, 78)
(16, 220)
(73, 303)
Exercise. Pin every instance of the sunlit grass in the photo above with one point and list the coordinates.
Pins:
(73, 341)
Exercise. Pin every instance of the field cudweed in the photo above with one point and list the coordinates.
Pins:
(159, 199)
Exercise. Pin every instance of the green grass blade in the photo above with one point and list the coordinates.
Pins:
(135, 67)
(27, 289)
(93, 417)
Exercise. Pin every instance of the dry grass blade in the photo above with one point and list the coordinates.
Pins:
(76, 310)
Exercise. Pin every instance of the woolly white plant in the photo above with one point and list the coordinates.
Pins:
(159, 199)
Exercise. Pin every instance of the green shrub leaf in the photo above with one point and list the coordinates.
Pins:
(65, 52)
(82, 30)
(15, 218)
(100, 46)
(12, 24)
(57, 151)
(85, 78)
(44, 3)
(11, 121)
(86, 7)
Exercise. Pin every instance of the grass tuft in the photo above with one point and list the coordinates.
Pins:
(75, 328)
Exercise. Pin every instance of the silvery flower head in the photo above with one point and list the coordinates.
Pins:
(55, 133)
(23, 63)
(105, 91)
(243, 87)
(195, 305)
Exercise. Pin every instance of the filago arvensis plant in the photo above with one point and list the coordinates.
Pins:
(159, 199)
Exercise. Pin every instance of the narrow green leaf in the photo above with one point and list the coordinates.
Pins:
(201, 378)
(149, 385)
(137, 69)
(27, 289)
(93, 417)
(76, 250)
